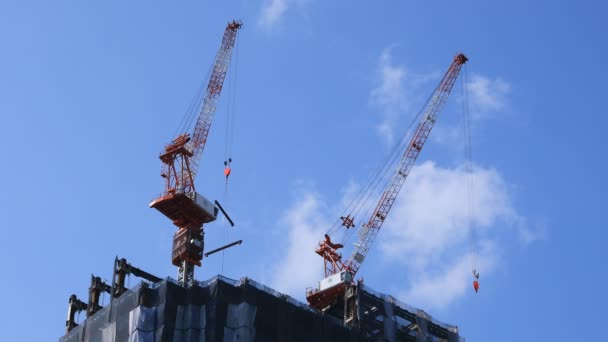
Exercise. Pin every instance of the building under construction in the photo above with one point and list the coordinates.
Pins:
(223, 309)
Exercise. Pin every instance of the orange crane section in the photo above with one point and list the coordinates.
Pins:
(340, 274)
(180, 202)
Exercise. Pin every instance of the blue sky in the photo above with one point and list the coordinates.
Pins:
(89, 93)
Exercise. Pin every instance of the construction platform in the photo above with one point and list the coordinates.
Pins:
(223, 309)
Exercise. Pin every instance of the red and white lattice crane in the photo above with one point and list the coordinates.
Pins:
(180, 202)
(339, 274)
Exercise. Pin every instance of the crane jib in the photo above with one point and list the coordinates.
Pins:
(429, 118)
(216, 81)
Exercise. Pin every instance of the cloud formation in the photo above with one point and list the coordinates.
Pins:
(395, 91)
(428, 232)
(389, 93)
(487, 95)
(304, 223)
(426, 236)
(432, 213)
(272, 11)
(437, 288)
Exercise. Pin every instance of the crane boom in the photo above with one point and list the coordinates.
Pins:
(429, 117)
(340, 274)
(212, 94)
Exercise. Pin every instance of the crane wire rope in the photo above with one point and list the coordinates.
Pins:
(362, 199)
(470, 179)
(229, 134)
(367, 204)
(363, 195)
(231, 113)
(234, 97)
(361, 202)
(390, 168)
(194, 108)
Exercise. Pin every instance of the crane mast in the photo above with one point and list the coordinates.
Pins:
(180, 201)
(340, 274)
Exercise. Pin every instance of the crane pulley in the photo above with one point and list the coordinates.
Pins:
(339, 274)
(180, 201)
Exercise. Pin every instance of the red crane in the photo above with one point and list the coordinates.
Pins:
(339, 274)
(180, 202)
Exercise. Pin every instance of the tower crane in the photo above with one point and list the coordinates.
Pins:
(180, 201)
(339, 274)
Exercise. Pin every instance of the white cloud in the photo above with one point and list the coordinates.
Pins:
(529, 233)
(305, 225)
(397, 89)
(436, 288)
(428, 231)
(432, 212)
(426, 236)
(394, 92)
(389, 94)
(272, 11)
(487, 95)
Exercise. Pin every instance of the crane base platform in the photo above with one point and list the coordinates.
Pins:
(330, 289)
(186, 209)
(321, 299)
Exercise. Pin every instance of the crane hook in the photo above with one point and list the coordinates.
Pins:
(476, 282)
(227, 168)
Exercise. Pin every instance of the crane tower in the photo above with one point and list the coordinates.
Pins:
(180, 201)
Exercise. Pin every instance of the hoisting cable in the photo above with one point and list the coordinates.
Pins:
(227, 153)
(231, 114)
(362, 201)
(387, 165)
(229, 134)
(234, 97)
(194, 108)
(372, 196)
(470, 181)
(358, 198)
(363, 195)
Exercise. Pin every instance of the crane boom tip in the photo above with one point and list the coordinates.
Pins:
(461, 58)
